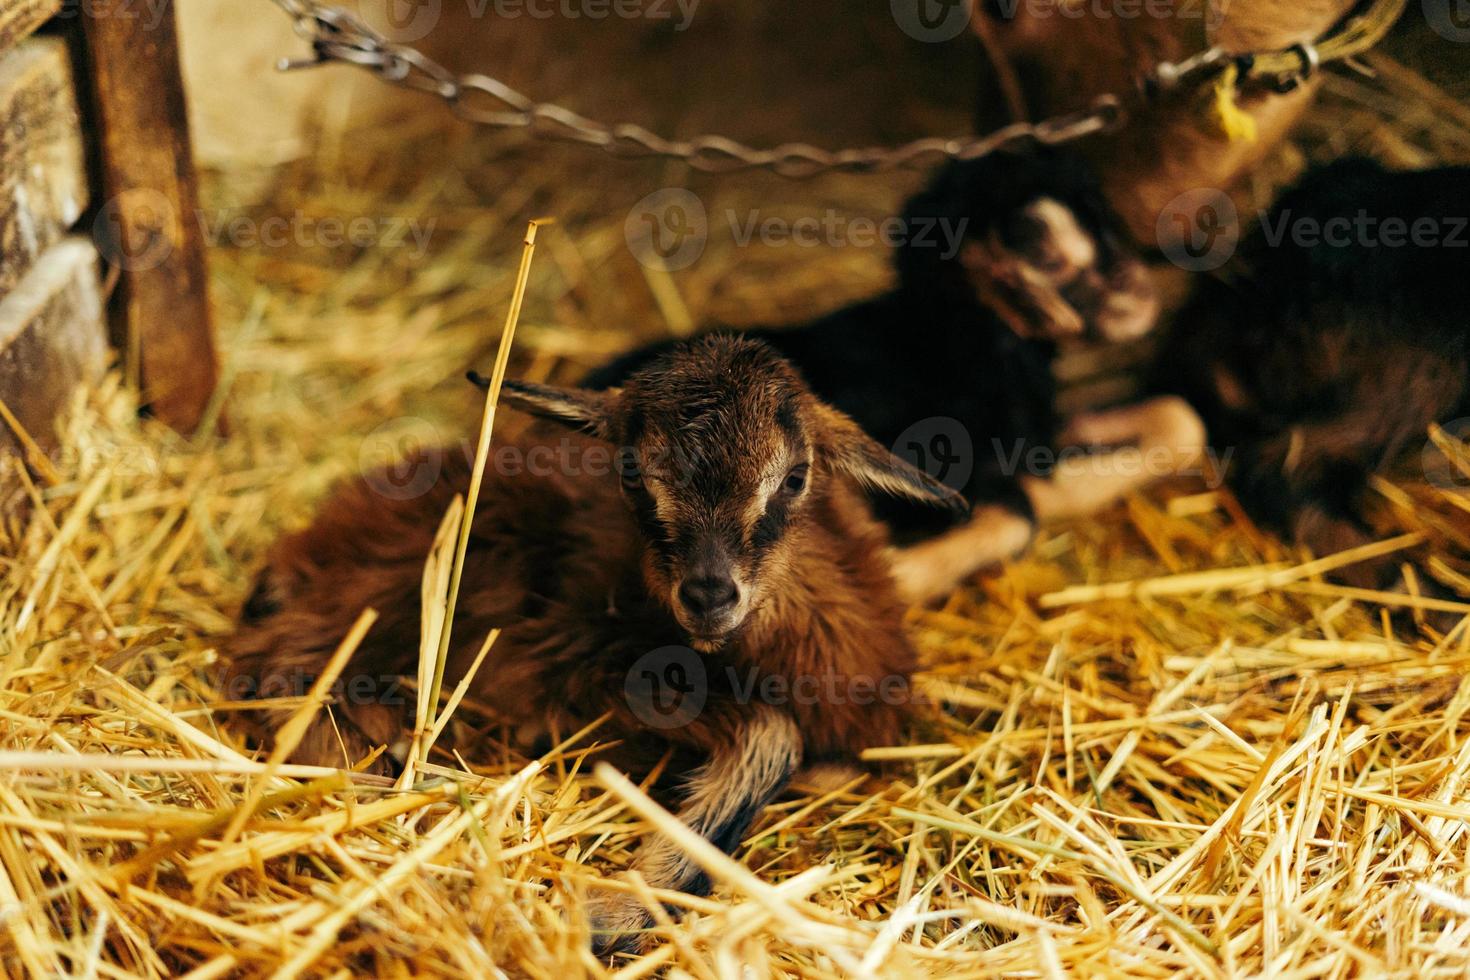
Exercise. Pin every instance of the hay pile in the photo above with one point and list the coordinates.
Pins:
(1222, 766)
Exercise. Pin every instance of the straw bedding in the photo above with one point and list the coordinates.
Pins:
(1160, 743)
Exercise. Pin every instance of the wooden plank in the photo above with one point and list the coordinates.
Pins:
(152, 203)
(53, 335)
(43, 175)
(20, 18)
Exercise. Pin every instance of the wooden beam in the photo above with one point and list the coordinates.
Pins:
(43, 173)
(20, 18)
(149, 226)
(53, 336)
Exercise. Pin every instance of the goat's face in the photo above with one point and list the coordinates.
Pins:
(723, 455)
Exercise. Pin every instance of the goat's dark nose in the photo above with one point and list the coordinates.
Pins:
(708, 596)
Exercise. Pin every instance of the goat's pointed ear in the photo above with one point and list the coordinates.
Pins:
(589, 412)
(847, 449)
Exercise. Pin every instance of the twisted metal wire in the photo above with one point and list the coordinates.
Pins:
(338, 35)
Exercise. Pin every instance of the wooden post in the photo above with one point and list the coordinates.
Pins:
(148, 226)
(52, 332)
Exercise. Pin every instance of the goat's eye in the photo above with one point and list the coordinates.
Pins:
(795, 481)
(629, 472)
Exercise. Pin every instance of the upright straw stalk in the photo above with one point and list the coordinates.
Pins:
(477, 478)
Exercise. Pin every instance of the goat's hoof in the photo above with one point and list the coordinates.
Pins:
(619, 924)
(1130, 303)
(1176, 425)
(1126, 317)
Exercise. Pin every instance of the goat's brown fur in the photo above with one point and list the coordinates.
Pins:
(1063, 59)
(584, 583)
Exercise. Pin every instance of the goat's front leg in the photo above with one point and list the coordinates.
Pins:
(1312, 482)
(752, 757)
(1155, 438)
(932, 568)
(1166, 437)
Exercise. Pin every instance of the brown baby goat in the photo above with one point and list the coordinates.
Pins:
(732, 519)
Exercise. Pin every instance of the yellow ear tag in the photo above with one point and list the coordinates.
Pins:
(1235, 122)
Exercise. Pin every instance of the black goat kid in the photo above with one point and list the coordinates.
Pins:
(1338, 336)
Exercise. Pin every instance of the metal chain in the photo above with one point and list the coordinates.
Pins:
(1283, 70)
(339, 35)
